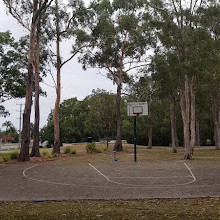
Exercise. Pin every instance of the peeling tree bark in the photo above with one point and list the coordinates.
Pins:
(25, 136)
(187, 103)
(193, 114)
(118, 142)
(56, 147)
(150, 137)
(35, 149)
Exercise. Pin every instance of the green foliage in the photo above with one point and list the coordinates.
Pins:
(14, 155)
(6, 157)
(51, 155)
(73, 114)
(67, 150)
(12, 69)
(45, 153)
(101, 120)
(73, 152)
(47, 132)
(91, 148)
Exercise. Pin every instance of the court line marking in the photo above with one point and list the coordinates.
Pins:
(44, 181)
(134, 185)
(108, 179)
(148, 177)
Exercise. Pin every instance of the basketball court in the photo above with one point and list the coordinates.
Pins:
(118, 180)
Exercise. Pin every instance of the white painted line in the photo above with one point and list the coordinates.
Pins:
(108, 179)
(44, 181)
(149, 177)
(194, 178)
(134, 185)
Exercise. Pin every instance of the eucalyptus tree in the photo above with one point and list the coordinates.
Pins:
(210, 18)
(180, 32)
(67, 22)
(122, 36)
(28, 15)
(164, 69)
(12, 69)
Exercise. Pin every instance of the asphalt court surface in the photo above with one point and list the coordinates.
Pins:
(118, 180)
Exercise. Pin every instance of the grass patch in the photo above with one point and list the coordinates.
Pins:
(160, 209)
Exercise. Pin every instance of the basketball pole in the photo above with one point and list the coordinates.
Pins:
(135, 137)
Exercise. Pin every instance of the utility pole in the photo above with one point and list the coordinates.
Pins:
(19, 146)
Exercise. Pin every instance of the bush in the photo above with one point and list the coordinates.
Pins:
(67, 150)
(73, 152)
(14, 155)
(45, 153)
(105, 149)
(52, 155)
(91, 148)
(5, 157)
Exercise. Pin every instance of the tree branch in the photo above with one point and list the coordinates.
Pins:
(14, 13)
(77, 51)
(135, 67)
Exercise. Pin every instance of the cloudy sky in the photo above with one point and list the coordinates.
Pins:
(75, 82)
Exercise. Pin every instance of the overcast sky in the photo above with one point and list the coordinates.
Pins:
(75, 82)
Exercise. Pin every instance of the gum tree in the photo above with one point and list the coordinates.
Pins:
(28, 15)
(67, 22)
(180, 33)
(120, 29)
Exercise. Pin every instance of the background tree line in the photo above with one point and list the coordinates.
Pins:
(95, 117)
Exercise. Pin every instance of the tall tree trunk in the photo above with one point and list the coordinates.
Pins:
(185, 111)
(118, 142)
(56, 147)
(193, 114)
(216, 122)
(35, 149)
(25, 136)
(197, 133)
(173, 124)
(150, 136)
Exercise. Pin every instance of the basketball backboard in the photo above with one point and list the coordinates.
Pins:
(137, 108)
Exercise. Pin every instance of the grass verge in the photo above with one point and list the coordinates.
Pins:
(160, 209)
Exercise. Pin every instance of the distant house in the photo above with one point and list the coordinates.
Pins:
(7, 139)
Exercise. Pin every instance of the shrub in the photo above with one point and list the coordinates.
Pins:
(105, 149)
(73, 152)
(14, 155)
(91, 148)
(45, 153)
(67, 150)
(5, 157)
(52, 155)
